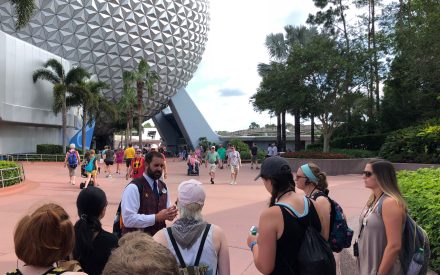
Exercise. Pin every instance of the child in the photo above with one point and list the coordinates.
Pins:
(193, 161)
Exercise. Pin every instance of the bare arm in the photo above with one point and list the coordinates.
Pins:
(221, 244)
(392, 215)
(323, 207)
(265, 250)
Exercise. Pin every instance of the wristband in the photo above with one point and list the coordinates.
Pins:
(251, 245)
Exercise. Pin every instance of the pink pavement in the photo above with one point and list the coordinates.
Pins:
(233, 207)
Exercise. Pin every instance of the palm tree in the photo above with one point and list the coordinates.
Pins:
(54, 73)
(280, 47)
(24, 10)
(127, 102)
(144, 78)
(87, 94)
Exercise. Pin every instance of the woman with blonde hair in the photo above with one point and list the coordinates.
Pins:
(381, 222)
(42, 239)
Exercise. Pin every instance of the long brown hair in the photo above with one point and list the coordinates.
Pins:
(387, 180)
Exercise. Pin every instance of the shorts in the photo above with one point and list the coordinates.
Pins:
(71, 171)
(93, 173)
(234, 169)
(212, 167)
(128, 162)
(254, 159)
(108, 162)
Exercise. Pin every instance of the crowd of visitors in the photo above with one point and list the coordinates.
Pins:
(284, 241)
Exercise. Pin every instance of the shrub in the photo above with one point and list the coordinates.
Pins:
(421, 190)
(315, 155)
(245, 155)
(371, 142)
(9, 176)
(240, 146)
(49, 149)
(315, 147)
(419, 144)
(355, 153)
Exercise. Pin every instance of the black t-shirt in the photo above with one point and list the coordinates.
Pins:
(254, 150)
(289, 243)
(102, 247)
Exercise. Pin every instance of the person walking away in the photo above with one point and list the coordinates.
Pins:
(269, 151)
(274, 150)
(137, 166)
(191, 233)
(93, 245)
(228, 151)
(234, 160)
(91, 168)
(254, 156)
(145, 203)
(282, 226)
(222, 154)
(212, 158)
(109, 160)
(119, 160)
(128, 156)
(381, 222)
(71, 161)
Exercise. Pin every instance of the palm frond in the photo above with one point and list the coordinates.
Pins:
(24, 10)
(45, 74)
(76, 75)
(56, 66)
(277, 46)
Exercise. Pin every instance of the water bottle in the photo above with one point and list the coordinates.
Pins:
(417, 262)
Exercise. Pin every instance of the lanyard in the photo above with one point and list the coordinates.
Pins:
(367, 214)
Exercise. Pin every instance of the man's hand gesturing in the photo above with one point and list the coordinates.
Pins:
(167, 214)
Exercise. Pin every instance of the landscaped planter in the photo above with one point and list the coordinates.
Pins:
(334, 167)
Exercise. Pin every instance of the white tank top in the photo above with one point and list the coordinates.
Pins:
(209, 255)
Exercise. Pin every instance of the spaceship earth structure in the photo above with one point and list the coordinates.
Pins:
(109, 36)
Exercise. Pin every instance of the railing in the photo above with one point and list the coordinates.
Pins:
(35, 157)
(19, 175)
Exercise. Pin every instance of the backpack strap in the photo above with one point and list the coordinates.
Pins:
(306, 208)
(176, 248)
(202, 244)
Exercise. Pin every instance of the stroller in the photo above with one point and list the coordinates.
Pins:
(84, 175)
(190, 171)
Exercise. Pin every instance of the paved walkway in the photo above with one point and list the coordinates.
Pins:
(234, 208)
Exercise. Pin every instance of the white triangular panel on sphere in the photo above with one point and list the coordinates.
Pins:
(107, 36)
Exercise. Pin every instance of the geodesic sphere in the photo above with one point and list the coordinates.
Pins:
(109, 36)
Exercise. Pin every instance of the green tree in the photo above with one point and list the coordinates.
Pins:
(87, 94)
(24, 10)
(53, 72)
(254, 125)
(143, 78)
(127, 103)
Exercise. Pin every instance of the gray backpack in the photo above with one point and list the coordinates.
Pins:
(195, 269)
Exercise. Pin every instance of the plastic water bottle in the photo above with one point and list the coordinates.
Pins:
(417, 262)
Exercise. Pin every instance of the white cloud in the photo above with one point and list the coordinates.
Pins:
(235, 47)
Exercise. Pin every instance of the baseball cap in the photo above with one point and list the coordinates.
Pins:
(154, 146)
(191, 191)
(273, 166)
(212, 146)
(139, 150)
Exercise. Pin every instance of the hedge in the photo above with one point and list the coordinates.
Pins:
(315, 155)
(9, 173)
(418, 144)
(53, 149)
(421, 190)
(371, 142)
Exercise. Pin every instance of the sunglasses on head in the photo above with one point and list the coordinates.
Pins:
(367, 173)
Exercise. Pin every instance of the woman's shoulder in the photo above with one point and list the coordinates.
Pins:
(107, 238)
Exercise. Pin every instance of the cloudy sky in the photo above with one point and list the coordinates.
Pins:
(227, 76)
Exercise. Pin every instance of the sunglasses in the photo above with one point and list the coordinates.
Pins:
(367, 173)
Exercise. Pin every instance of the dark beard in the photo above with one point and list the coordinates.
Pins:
(154, 175)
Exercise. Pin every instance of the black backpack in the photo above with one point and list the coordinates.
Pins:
(315, 257)
(194, 269)
(118, 223)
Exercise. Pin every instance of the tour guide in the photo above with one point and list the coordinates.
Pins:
(145, 202)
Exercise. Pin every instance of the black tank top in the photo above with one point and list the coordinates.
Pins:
(289, 243)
